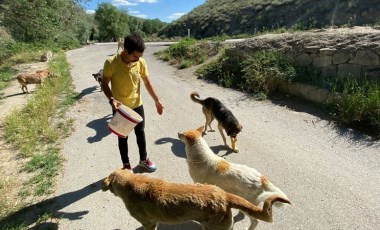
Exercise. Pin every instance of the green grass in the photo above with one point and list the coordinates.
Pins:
(358, 104)
(188, 52)
(36, 130)
(14, 53)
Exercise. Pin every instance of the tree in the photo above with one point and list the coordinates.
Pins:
(112, 23)
(45, 20)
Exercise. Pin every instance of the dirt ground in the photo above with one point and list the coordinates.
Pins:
(12, 99)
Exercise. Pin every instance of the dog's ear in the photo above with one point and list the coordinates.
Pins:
(106, 184)
(201, 129)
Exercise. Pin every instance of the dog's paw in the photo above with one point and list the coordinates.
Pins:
(235, 150)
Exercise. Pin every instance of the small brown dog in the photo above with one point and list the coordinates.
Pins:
(120, 44)
(99, 77)
(45, 57)
(33, 78)
(152, 201)
(213, 108)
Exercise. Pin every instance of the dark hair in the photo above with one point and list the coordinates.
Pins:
(134, 42)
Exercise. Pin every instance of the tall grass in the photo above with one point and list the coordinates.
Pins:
(36, 131)
(262, 67)
(359, 104)
(14, 53)
(188, 52)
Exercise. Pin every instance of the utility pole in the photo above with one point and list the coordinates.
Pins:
(188, 32)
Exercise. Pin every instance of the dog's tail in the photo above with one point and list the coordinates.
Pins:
(269, 190)
(195, 97)
(264, 213)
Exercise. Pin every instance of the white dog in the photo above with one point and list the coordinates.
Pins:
(207, 167)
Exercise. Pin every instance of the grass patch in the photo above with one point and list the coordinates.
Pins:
(358, 104)
(14, 53)
(225, 71)
(36, 130)
(263, 67)
(6, 74)
(188, 52)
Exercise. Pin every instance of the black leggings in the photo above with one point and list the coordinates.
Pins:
(140, 137)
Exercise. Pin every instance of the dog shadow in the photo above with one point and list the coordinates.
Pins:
(31, 214)
(85, 92)
(191, 225)
(178, 148)
(100, 127)
(219, 148)
(14, 95)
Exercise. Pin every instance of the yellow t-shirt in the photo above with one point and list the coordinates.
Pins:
(125, 81)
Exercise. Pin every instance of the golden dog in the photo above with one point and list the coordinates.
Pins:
(207, 167)
(152, 201)
(120, 44)
(33, 78)
(213, 108)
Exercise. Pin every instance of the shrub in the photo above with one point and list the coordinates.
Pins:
(225, 71)
(359, 103)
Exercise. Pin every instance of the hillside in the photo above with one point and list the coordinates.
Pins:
(232, 17)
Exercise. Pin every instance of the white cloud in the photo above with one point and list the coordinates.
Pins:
(123, 3)
(90, 11)
(147, 1)
(175, 16)
(140, 15)
(137, 13)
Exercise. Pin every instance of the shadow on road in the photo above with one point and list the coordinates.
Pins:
(218, 148)
(101, 128)
(359, 134)
(31, 214)
(85, 92)
(178, 148)
(15, 94)
(191, 225)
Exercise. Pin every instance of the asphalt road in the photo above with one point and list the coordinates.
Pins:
(331, 175)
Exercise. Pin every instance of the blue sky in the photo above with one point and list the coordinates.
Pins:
(165, 10)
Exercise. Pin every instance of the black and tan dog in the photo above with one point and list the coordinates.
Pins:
(152, 201)
(98, 77)
(213, 108)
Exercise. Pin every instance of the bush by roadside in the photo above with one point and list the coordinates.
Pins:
(188, 52)
(357, 103)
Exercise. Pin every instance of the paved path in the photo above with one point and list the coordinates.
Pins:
(330, 175)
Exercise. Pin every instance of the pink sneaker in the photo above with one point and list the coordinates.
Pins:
(149, 165)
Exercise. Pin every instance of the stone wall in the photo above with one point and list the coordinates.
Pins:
(334, 62)
(339, 52)
(350, 52)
